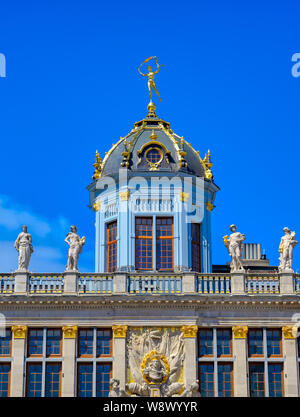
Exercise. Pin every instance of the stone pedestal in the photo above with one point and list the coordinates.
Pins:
(188, 284)
(238, 282)
(68, 364)
(120, 283)
(290, 367)
(70, 282)
(21, 279)
(239, 350)
(286, 282)
(17, 388)
(119, 353)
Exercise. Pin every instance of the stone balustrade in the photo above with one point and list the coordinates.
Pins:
(185, 283)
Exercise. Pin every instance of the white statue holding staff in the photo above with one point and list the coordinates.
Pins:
(286, 247)
(76, 243)
(23, 244)
(234, 245)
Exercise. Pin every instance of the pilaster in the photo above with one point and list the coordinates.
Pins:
(119, 353)
(17, 366)
(190, 357)
(68, 365)
(289, 345)
(239, 348)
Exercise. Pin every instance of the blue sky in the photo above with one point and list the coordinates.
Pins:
(72, 87)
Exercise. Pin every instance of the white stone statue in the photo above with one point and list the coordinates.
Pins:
(115, 390)
(234, 245)
(23, 244)
(286, 247)
(76, 243)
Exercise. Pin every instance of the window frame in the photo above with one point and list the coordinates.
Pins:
(161, 238)
(10, 345)
(144, 237)
(196, 244)
(54, 355)
(34, 355)
(248, 343)
(60, 378)
(109, 244)
(9, 378)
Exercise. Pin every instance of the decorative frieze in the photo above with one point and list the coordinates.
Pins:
(119, 331)
(240, 332)
(189, 331)
(289, 332)
(19, 332)
(70, 332)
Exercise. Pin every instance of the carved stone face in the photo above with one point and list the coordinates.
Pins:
(155, 371)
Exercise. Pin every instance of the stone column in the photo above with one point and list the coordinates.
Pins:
(237, 283)
(188, 283)
(68, 365)
(119, 353)
(21, 279)
(17, 365)
(70, 282)
(240, 385)
(289, 338)
(190, 356)
(286, 283)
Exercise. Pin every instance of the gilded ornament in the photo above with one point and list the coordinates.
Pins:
(289, 332)
(155, 368)
(184, 196)
(209, 206)
(70, 332)
(240, 332)
(98, 166)
(119, 331)
(97, 205)
(151, 84)
(124, 195)
(19, 332)
(189, 331)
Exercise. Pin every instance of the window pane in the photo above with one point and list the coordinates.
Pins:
(53, 342)
(34, 380)
(35, 342)
(85, 380)
(196, 255)
(52, 383)
(206, 379)
(205, 342)
(4, 379)
(5, 343)
(225, 380)
(255, 343)
(164, 243)
(224, 342)
(143, 243)
(257, 380)
(111, 242)
(103, 375)
(275, 379)
(274, 342)
(85, 342)
(104, 342)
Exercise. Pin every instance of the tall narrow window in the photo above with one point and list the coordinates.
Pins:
(85, 380)
(5, 343)
(52, 388)
(164, 243)
(225, 380)
(34, 380)
(275, 379)
(103, 375)
(85, 345)
(206, 379)
(4, 379)
(35, 342)
(143, 243)
(274, 342)
(53, 346)
(257, 379)
(196, 254)
(224, 342)
(111, 243)
(255, 343)
(205, 342)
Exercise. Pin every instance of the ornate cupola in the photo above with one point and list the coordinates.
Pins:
(153, 195)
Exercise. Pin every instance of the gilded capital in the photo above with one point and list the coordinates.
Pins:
(119, 331)
(97, 205)
(124, 195)
(240, 332)
(189, 331)
(289, 332)
(19, 332)
(184, 196)
(70, 332)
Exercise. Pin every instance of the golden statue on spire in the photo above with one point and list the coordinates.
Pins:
(151, 83)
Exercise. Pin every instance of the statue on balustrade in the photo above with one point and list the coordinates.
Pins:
(286, 247)
(23, 244)
(76, 243)
(234, 245)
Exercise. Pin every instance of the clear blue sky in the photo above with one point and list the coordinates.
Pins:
(72, 87)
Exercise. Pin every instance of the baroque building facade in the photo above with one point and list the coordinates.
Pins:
(156, 318)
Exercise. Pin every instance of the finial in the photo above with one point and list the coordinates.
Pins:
(151, 84)
(98, 166)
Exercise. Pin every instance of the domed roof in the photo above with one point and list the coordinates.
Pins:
(169, 152)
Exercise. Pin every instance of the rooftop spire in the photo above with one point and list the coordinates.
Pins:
(151, 84)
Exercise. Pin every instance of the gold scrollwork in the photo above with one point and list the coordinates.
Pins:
(70, 332)
(97, 205)
(119, 331)
(189, 331)
(124, 195)
(289, 332)
(155, 356)
(240, 332)
(19, 332)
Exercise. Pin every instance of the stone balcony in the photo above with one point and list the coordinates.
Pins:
(149, 284)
